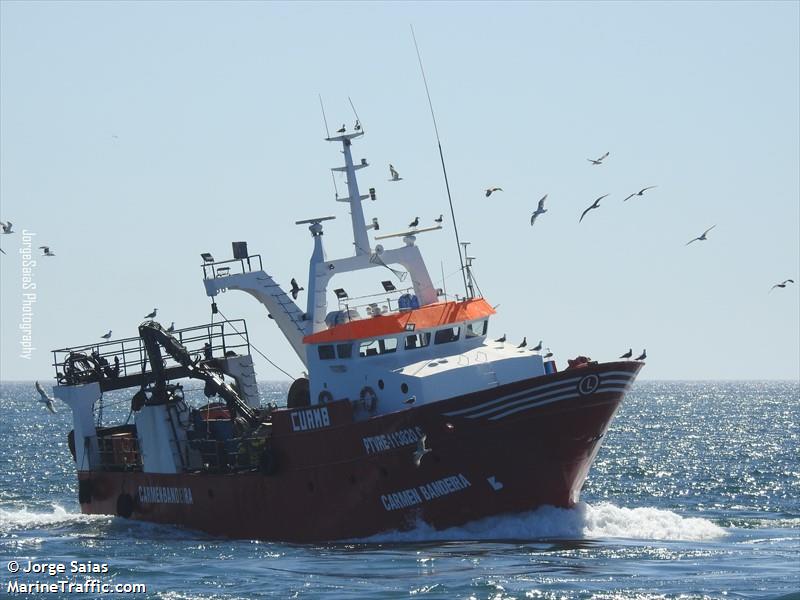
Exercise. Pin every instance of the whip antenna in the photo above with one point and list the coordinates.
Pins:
(441, 156)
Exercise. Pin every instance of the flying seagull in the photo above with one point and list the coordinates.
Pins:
(45, 399)
(421, 450)
(781, 284)
(598, 161)
(628, 354)
(540, 210)
(490, 191)
(501, 340)
(107, 336)
(414, 223)
(296, 289)
(342, 130)
(171, 328)
(393, 172)
(524, 342)
(537, 347)
(642, 356)
(640, 192)
(7, 227)
(701, 238)
(152, 315)
(593, 206)
(46, 251)
(440, 219)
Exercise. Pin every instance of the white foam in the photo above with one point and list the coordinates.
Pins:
(584, 521)
(23, 518)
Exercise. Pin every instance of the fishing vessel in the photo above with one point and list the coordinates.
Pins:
(410, 412)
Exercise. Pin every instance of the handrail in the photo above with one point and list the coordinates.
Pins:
(215, 266)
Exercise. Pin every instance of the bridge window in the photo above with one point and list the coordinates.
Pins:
(418, 340)
(376, 347)
(326, 352)
(344, 350)
(444, 336)
(477, 329)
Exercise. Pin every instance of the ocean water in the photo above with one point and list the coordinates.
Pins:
(695, 494)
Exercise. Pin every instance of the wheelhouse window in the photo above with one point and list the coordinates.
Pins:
(344, 350)
(477, 329)
(444, 336)
(418, 340)
(326, 352)
(377, 347)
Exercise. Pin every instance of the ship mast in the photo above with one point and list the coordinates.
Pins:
(360, 238)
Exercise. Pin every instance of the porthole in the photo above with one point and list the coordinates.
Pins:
(380, 383)
(404, 388)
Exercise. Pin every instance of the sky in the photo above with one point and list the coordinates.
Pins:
(134, 136)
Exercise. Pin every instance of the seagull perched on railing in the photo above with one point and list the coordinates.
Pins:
(152, 315)
(421, 450)
(640, 192)
(593, 206)
(171, 328)
(296, 289)
(642, 356)
(537, 347)
(107, 336)
(357, 126)
(394, 174)
(628, 354)
(540, 210)
(501, 340)
(342, 130)
(46, 251)
(440, 219)
(490, 191)
(549, 354)
(414, 223)
(524, 342)
(598, 161)
(701, 238)
(782, 284)
(7, 227)
(45, 399)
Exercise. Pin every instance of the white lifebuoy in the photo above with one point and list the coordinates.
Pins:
(369, 399)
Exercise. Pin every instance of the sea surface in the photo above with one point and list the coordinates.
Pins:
(695, 494)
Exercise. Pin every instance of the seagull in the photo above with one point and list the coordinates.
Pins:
(152, 315)
(414, 223)
(46, 251)
(342, 130)
(537, 347)
(598, 161)
(781, 284)
(357, 126)
(171, 328)
(421, 450)
(642, 356)
(501, 340)
(107, 336)
(524, 342)
(540, 210)
(375, 225)
(440, 219)
(640, 192)
(701, 238)
(393, 172)
(549, 354)
(489, 191)
(410, 400)
(7, 227)
(45, 399)
(628, 354)
(296, 289)
(595, 205)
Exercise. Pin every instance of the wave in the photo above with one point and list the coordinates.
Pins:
(23, 518)
(582, 522)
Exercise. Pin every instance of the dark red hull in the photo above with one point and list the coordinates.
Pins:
(509, 449)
